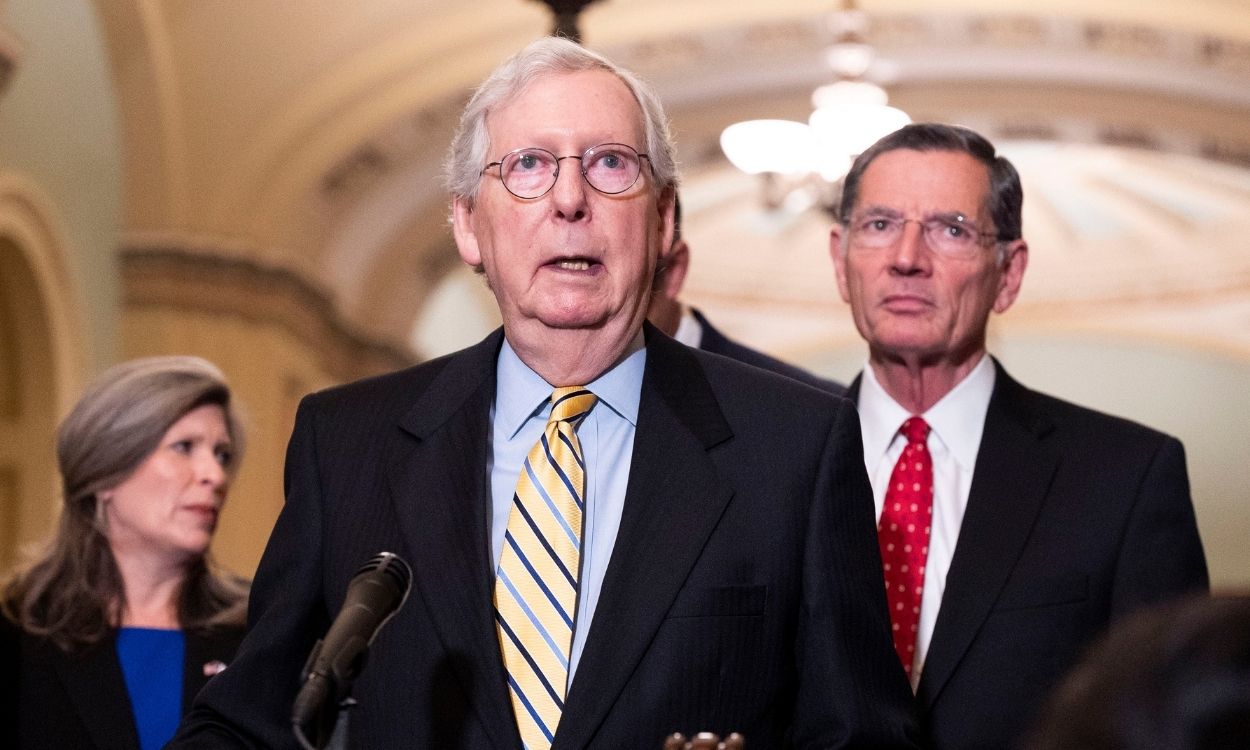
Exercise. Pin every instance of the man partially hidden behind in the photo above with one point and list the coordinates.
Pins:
(613, 536)
(689, 326)
(1013, 526)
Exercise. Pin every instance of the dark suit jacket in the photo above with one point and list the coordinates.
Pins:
(741, 593)
(718, 343)
(1074, 518)
(79, 702)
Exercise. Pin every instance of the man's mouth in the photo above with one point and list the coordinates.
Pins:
(574, 264)
(905, 302)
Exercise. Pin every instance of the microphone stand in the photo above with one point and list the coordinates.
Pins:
(329, 724)
(331, 728)
(319, 716)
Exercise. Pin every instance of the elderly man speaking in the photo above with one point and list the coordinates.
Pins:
(613, 537)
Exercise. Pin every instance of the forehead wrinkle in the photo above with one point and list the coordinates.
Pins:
(570, 125)
(928, 176)
(981, 218)
(877, 209)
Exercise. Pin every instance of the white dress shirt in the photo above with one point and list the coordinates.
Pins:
(689, 332)
(956, 423)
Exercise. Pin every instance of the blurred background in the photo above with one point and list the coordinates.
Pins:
(257, 182)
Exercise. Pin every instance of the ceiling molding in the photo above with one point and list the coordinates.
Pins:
(177, 279)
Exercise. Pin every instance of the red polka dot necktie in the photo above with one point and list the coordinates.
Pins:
(903, 533)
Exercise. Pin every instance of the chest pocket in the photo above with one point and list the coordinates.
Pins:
(1048, 592)
(720, 601)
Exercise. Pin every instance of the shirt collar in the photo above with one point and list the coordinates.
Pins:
(521, 393)
(957, 419)
(689, 332)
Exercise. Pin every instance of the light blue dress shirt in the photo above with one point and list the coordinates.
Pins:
(518, 417)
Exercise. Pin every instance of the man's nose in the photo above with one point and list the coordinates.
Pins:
(911, 253)
(568, 195)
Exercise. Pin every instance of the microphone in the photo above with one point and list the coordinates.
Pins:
(375, 594)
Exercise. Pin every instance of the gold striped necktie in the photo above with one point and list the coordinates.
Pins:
(537, 581)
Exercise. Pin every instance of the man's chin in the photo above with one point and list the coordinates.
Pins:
(904, 348)
(573, 323)
(573, 318)
(905, 339)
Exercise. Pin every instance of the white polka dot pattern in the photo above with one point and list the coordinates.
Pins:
(903, 533)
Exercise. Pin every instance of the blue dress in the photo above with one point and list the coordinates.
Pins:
(151, 661)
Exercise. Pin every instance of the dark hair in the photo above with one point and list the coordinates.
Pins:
(1006, 195)
(1173, 677)
(73, 592)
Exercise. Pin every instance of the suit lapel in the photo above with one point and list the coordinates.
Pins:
(95, 686)
(439, 485)
(852, 390)
(204, 655)
(1013, 474)
(712, 340)
(674, 498)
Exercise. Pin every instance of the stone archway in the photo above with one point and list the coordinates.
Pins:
(42, 365)
(28, 499)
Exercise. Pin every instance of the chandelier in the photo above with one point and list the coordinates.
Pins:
(802, 164)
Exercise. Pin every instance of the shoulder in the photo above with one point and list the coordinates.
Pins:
(772, 364)
(10, 644)
(718, 343)
(379, 389)
(728, 376)
(383, 394)
(727, 371)
(9, 630)
(758, 401)
(1073, 423)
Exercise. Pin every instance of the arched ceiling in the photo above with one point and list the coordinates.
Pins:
(307, 135)
(1143, 243)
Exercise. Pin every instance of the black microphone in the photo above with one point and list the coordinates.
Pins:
(375, 594)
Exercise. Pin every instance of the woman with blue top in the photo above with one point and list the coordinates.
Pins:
(121, 620)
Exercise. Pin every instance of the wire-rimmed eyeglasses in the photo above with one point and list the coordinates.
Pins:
(530, 173)
(952, 234)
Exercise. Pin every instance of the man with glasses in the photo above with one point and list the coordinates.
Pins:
(689, 325)
(613, 537)
(1012, 526)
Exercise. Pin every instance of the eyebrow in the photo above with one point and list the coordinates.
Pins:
(878, 210)
(952, 215)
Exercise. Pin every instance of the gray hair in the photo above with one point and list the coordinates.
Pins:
(73, 592)
(547, 56)
(123, 415)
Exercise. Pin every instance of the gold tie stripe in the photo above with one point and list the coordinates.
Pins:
(537, 581)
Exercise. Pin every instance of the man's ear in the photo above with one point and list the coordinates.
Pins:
(837, 253)
(675, 262)
(464, 230)
(1015, 260)
(668, 217)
